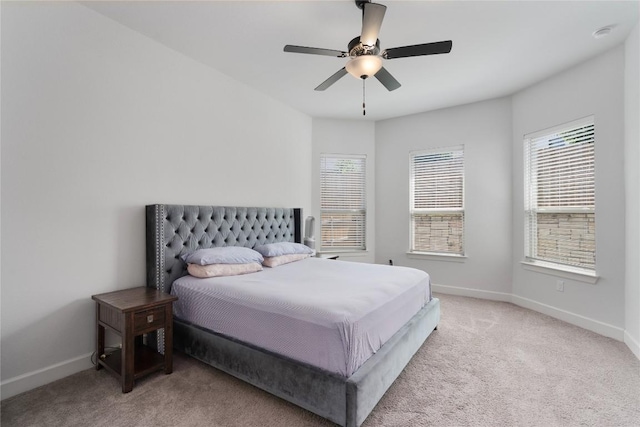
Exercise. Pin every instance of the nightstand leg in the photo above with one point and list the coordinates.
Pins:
(99, 338)
(128, 346)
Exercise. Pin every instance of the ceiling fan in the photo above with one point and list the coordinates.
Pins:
(364, 50)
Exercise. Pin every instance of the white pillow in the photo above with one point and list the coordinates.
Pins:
(222, 255)
(217, 270)
(275, 261)
(282, 248)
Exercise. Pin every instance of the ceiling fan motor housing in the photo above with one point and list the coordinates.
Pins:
(356, 48)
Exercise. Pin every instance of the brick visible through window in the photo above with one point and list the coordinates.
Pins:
(439, 232)
(570, 237)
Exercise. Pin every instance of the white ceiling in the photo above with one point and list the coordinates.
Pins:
(499, 47)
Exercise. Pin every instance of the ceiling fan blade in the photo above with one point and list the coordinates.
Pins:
(372, 16)
(315, 51)
(331, 80)
(387, 79)
(418, 50)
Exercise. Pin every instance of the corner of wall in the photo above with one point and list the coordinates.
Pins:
(338, 136)
(632, 190)
(633, 345)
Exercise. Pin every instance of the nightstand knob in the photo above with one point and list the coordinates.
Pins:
(150, 318)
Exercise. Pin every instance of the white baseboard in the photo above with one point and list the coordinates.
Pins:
(31, 380)
(633, 345)
(566, 316)
(474, 293)
(575, 319)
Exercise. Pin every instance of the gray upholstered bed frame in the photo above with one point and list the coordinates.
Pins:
(175, 229)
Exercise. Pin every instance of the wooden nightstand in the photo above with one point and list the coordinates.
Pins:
(131, 313)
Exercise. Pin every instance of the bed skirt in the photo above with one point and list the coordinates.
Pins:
(345, 401)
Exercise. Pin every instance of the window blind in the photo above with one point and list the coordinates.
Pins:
(342, 202)
(560, 195)
(437, 201)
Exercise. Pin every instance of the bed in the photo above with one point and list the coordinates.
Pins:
(345, 392)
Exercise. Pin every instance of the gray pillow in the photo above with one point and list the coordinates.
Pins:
(282, 248)
(223, 255)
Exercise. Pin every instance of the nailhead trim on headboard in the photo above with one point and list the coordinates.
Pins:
(159, 254)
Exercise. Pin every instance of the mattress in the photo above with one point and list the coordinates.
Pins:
(330, 314)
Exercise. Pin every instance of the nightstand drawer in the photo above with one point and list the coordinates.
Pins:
(146, 320)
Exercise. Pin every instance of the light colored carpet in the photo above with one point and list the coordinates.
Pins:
(488, 364)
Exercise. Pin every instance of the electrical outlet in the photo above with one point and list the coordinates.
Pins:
(560, 285)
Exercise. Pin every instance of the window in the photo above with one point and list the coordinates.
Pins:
(560, 195)
(343, 206)
(437, 201)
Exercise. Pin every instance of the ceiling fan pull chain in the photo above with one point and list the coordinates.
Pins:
(364, 112)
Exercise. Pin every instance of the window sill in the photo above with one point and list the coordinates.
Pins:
(437, 257)
(566, 272)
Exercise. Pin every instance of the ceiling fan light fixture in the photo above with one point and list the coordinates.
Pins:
(364, 66)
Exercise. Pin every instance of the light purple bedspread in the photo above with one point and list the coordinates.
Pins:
(330, 314)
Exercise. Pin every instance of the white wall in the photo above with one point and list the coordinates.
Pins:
(346, 137)
(485, 130)
(632, 190)
(592, 88)
(99, 121)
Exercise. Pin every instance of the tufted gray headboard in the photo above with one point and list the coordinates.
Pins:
(175, 229)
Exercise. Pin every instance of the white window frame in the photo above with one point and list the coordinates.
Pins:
(413, 211)
(532, 261)
(362, 246)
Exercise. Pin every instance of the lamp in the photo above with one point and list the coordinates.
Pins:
(309, 232)
(364, 66)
